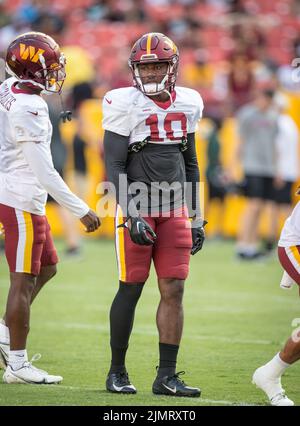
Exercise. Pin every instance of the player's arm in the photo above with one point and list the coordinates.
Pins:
(39, 159)
(192, 194)
(115, 155)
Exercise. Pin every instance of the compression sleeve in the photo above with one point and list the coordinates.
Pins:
(115, 155)
(192, 177)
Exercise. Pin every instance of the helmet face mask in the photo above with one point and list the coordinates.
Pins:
(35, 58)
(154, 48)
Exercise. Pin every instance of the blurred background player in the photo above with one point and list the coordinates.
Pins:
(27, 174)
(258, 128)
(287, 168)
(268, 377)
(150, 139)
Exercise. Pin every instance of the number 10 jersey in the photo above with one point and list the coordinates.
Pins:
(129, 112)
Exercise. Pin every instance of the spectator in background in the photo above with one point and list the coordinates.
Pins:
(240, 81)
(258, 129)
(4, 17)
(287, 168)
(9, 32)
(289, 74)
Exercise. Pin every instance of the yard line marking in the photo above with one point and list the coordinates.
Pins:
(208, 401)
(150, 332)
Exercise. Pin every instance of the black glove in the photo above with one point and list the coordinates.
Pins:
(139, 231)
(198, 235)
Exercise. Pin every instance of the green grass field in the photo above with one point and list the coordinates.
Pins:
(236, 318)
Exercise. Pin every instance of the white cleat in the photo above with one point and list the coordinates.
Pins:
(272, 388)
(282, 400)
(28, 374)
(4, 351)
(286, 282)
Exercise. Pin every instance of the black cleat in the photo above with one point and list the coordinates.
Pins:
(119, 383)
(173, 386)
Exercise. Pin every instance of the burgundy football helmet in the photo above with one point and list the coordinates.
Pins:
(152, 48)
(35, 58)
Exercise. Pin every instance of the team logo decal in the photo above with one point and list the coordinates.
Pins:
(30, 52)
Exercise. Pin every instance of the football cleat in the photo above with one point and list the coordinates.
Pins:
(28, 374)
(173, 386)
(119, 383)
(286, 281)
(4, 351)
(271, 387)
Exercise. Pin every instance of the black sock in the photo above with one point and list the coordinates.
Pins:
(167, 359)
(121, 322)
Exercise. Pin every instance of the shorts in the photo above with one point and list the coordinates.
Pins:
(170, 252)
(216, 191)
(290, 260)
(259, 187)
(28, 241)
(284, 194)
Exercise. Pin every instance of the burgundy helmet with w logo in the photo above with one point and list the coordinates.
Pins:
(151, 48)
(35, 58)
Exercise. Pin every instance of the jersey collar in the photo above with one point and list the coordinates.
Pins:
(166, 104)
(15, 89)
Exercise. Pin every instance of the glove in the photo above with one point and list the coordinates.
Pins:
(139, 231)
(198, 235)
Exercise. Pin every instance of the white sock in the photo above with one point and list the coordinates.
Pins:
(248, 249)
(4, 333)
(276, 367)
(16, 359)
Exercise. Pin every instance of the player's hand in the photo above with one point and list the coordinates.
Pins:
(198, 235)
(140, 232)
(91, 221)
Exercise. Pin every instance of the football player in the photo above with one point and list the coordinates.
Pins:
(268, 377)
(150, 138)
(27, 173)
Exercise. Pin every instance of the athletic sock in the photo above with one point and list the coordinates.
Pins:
(167, 359)
(4, 333)
(276, 367)
(16, 359)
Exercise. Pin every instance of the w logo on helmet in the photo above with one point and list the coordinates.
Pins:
(30, 52)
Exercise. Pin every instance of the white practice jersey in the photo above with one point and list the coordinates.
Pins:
(26, 168)
(290, 234)
(128, 112)
(287, 141)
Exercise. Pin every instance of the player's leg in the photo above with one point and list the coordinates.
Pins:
(133, 265)
(46, 273)
(48, 260)
(171, 259)
(25, 235)
(248, 238)
(268, 377)
(169, 320)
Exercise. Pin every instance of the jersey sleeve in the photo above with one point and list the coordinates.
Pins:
(198, 111)
(30, 123)
(115, 113)
(39, 158)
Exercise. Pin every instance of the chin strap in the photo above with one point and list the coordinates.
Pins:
(170, 96)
